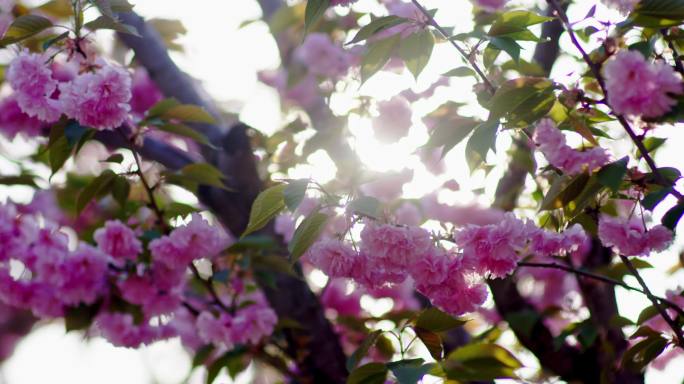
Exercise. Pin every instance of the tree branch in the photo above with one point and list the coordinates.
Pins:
(290, 297)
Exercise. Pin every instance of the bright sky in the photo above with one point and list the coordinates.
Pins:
(226, 60)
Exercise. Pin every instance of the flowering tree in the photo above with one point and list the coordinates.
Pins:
(119, 255)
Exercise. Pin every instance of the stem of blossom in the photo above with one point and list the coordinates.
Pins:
(596, 70)
(149, 190)
(604, 279)
(209, 285)
(675, 55)
(672, 323)
(490, 87)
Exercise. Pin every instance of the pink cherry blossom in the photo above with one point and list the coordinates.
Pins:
(628, 237)
(492, 249)
(408, 214)
(490, 5)
(304, 93)
(393, 120)
(144, 92)
(392, 249)
(432, 268)
(195, 240)
(624, 6)
(335, 296)
(14, 121)
(639, 88)
(333, 257)
(117, 240)
(252, 323)
(121, 330)
(82, 276)
(285, 225)
(322, 57)
(215, 330)
(551, 142)
(31, 78)
(98, 99)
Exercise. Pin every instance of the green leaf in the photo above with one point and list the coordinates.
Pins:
(202, 355)
(375, 26)
(482, 139)
(434, 320)
(672, 216)
(161, 107)
(651, 144)
(611, 175)
(480, 362)
(59, 153)
(176, 209)
(416, 50)
(563, 190)
(378, 53)
(409, 371)
(294, 193)
(222, 362)
(188, 113)
(120, 190)
(461, 72)
(106, 22)
(24, 179)
(24, 27)
(94, 189)
(523, 101)
(507, 45)
(515, 22)
(203, 173)
(315, 9)
(653, 198)
(365, 206)
(523, 321)
(115, 158)
(371, 373)
(185, 131)
(657, 13)
(109, 7)
(358, 355)
(74, 132)
(648, 313)
(50, 42)
(266, 206)
(432, 341)
(306, 234)
(642, 353)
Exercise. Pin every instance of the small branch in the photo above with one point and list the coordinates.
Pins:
(673, 324)
(675, 55)
(602, 278)
(209, 285)
(490, 87)
(596, 70)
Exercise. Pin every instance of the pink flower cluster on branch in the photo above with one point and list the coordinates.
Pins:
(138, 294)
(97, 98)
(639, 88)
(552, 144)
(629, 237)
(451, 279)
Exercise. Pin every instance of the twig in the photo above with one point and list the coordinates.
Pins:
(673, 324)
(596, 70)
(490, 87)
(604, 279)
(209, 285)
(675, 55)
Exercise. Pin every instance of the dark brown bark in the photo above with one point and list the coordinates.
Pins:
(315, 348)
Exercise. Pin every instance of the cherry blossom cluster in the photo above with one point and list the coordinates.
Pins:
(629, 237)
(134, 290)
(452, 279)
(551, 142)
(98, 97)
(639, 88)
